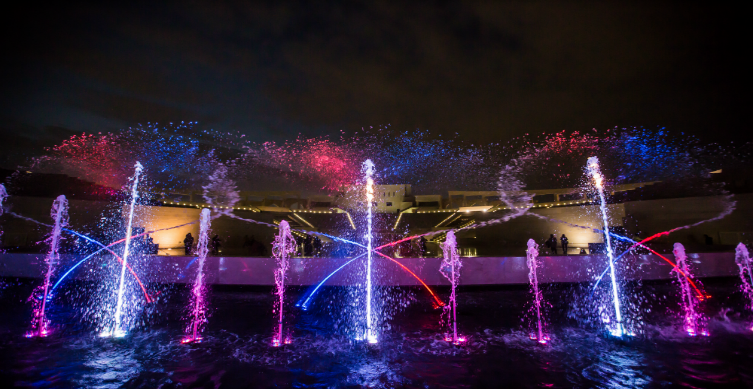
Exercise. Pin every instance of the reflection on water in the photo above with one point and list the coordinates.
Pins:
(618, 369)
(236, 351)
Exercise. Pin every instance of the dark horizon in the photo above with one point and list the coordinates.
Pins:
(489, 72)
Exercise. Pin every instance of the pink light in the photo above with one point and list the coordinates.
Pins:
(191, 340)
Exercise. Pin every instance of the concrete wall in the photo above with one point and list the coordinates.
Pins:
(653, 216)
(308, 271)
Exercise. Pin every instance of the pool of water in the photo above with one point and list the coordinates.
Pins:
(236, 350)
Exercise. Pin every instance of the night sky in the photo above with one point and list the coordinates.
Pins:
(485, 70)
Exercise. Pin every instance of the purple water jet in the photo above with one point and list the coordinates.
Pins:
(59, 213)
(450, 269)
(532, 255)
(693, 321)
(742, 258)
(3, 196)
(199, 288)
(283, 246)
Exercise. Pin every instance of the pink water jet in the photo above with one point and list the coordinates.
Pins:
(283, 247)
(450, 269)
(532, 255)
(693, 322)
(198, 292)
(742, 258)
(59, 213)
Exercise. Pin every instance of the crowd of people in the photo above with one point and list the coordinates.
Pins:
(313, 246)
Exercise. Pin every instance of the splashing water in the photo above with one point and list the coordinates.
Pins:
(198, 291)
(221, 192)
(59, 214)
(282, 248)
(532, 255)
(450, 269)
(3, 196)
(595, 172)
(693, 318)
(117, 331)
(368, 169)
(742, 258)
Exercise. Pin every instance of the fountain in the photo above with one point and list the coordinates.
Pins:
(406, 356)
(3, 195)
(39, 297)
(593, 169)
(693, 321)
(117, 331)
(450, 269)
(742, 259)
(368, 169)
(199, 288)
(532, 255)
(284, 245)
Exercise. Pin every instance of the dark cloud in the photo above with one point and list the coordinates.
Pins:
(488, 70)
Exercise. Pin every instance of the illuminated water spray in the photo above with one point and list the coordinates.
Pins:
(532, 255)
(117, 331)
(450, 269)
(3, 195)
(282, 248)
(197, 293)
(368, 169)
(59, 213)
(693, 321)
(595, 172)
(742, 258)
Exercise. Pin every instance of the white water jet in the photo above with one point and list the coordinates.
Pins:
(742, 259)
(450, 269)
(368, 169)
(116, 329)
(202, 249)
(283, 247)
(59, 213)
(693, 319)
(595, 172)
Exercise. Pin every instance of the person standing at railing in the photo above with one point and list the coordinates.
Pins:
(188, 243)
(552, 244)
(564, 242)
